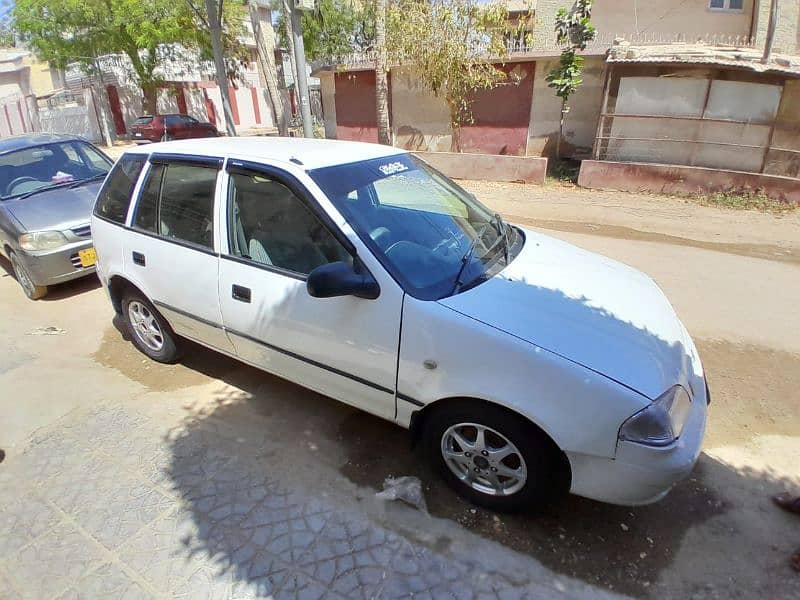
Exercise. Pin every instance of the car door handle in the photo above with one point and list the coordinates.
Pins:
(138, 259)
(240, 293)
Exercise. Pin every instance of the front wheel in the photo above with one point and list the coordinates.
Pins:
(32, 291)
(150, 333)
(494, 457)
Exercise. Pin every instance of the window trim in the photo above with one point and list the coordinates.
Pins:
(244, 167)
(166, 160)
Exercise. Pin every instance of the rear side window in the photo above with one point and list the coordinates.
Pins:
(115, 196)
(146, 217)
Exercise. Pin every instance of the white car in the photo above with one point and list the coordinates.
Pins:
(526, 367)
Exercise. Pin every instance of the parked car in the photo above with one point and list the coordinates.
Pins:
(48, 185)
(524, 365)
(162, 128)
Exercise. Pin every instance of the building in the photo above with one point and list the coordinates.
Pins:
(524, 119)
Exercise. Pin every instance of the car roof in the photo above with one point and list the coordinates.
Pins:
(18, 142)
(311, 153)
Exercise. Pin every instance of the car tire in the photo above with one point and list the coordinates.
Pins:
(166, 137)
(546, 474)
(32, 291)
(148, 330)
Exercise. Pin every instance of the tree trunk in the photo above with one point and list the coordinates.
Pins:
(560, 129)
(455, 127)
(381, 78)
(149, 99)
(287, 10)
(265, 48)
(215, 27)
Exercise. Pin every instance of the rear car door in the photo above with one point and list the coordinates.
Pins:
(344, 347)
(170, 250)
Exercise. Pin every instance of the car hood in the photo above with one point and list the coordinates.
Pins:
(56, 209)
(587, 308)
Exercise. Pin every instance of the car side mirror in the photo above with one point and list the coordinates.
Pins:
(342, 279)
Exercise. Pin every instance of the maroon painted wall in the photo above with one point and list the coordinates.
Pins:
(356, 118)
(501, 115)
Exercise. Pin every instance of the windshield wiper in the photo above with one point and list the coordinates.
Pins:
(87, 180)
(464, 261)
(40, 190)
(502, 231)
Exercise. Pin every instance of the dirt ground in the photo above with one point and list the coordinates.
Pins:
(733, 277)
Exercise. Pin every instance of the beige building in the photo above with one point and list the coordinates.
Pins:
(420, 120)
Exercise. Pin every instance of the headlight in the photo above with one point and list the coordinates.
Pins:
(42, 240)
(660, 423)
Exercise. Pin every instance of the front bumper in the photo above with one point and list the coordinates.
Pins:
(641, 474)
(49, 267)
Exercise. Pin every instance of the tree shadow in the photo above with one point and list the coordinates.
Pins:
(264, 458)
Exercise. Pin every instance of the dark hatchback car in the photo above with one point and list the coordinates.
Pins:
(48, 184)
(162, 128)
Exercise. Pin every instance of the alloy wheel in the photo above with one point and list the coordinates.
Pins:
(145, 326)
(484, 459)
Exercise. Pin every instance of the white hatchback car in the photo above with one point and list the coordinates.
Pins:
(526, 366)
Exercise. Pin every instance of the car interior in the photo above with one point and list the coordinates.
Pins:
(32, 168)
(272, 226)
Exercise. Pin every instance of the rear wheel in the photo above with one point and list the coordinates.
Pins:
(494, 457)
(32, 291)
(149, 331)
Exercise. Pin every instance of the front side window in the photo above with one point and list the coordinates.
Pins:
(434, 237)
(115, 196)
(186, 203)
(271, 226)
(39, 168)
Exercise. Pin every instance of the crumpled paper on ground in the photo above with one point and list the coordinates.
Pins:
(407, 489)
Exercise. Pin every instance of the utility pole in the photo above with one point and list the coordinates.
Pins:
(773, 22)
(215, 29)
(265, 48)
(301, 84)
(381, 79)
(99, 99)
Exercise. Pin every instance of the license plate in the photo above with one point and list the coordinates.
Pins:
(88, 257)
(138, 134)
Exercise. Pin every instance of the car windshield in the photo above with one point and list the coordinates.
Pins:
(38, 168)
(432, 236)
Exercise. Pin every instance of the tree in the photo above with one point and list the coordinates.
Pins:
(452, 45)
(265, 49)
(70, 31)
(335, 28)
(574, 29)
(381, 78)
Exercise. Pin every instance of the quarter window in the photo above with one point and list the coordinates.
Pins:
(115, 197)
(271, 226)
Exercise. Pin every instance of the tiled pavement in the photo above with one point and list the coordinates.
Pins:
(103, 505)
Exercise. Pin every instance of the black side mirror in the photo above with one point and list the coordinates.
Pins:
(342, 279)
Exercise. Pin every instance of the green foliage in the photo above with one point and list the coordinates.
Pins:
(747, 199)
(450, 44)
(574, 29)
(335, 28)
(68, 31)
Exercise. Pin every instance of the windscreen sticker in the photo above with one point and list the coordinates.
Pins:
(392, 168)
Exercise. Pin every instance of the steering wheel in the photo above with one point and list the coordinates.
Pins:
(15, 182)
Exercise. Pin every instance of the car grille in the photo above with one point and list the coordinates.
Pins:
(76, 261)
(83, 231)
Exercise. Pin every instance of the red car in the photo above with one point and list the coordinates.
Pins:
(161, 128)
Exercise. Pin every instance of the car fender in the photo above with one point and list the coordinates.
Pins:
(445, 354)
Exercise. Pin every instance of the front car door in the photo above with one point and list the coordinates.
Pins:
(170, 250)
(344, 347)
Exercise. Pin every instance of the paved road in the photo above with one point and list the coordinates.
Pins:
(209, 479)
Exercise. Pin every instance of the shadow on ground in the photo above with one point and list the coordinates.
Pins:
(62, 290)
(263, 429)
